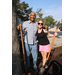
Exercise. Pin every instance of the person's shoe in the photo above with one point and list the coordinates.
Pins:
(29, 74)
(46, 66)
(28, 71)
(36, 70)
(41, 70)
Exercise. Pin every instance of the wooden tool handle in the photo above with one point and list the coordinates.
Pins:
(22, 45)
(52, 42)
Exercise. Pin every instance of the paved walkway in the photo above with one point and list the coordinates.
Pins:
(58, 38)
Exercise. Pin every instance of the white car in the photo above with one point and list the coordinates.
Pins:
(49, 27)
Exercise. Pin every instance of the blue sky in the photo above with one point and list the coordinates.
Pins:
(49, 7)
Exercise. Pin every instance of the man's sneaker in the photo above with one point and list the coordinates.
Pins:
(41, 70)
(46, 66)
(36, 70)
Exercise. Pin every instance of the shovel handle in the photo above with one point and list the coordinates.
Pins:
(58, 24)
(22, 45)
(52, 42)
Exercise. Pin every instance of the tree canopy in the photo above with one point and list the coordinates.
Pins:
(23, 10)
(49, 21)
(39, 13)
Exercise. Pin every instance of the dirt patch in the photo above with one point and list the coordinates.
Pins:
(54, 63)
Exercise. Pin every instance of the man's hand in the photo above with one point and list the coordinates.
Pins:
(19, 26)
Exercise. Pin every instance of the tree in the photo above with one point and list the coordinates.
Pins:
(39, 13)
(16, 64)
(23, 10)
(60, 24)
(49, 20)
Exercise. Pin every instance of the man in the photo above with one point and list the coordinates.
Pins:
(30, 28)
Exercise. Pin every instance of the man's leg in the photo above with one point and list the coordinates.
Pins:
(34, 55)
(27, 53)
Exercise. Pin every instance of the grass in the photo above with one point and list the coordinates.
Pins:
(53, 47)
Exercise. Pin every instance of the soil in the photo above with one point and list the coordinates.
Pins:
(54, 63)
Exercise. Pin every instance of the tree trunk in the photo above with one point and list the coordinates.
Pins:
(16, 64)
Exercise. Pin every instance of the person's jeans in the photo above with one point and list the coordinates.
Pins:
(28, 49)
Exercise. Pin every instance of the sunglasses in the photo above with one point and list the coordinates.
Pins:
(40, 23)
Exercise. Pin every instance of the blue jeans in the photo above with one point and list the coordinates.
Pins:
(28, 49)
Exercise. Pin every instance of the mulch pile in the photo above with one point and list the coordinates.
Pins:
(54, 63)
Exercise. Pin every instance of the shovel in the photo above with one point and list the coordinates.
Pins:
(52, 42)
(23, 48)
(22, 45)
